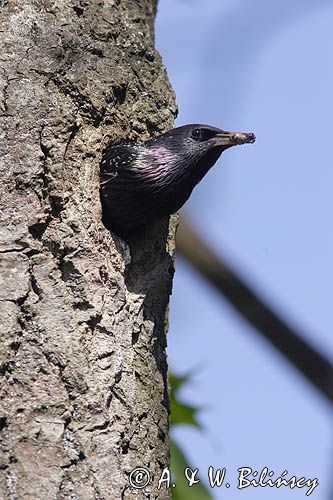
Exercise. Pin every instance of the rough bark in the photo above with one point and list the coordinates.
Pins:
(84, 394)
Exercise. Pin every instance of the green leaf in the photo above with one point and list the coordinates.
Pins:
(177, 381)
(183, 414)
(180, 412)
(182, 491)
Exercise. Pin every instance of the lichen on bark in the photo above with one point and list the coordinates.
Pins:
(82, 360)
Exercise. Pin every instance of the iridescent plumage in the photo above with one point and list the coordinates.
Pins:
(144, 182)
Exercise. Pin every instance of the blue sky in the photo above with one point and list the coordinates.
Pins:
(264, 67)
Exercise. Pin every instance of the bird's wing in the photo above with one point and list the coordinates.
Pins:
(114, 160)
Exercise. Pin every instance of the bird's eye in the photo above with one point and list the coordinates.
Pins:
(202, 134)
(196, 134)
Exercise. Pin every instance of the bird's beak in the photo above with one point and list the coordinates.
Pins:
(228, 139)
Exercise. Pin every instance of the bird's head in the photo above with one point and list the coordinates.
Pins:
(195, 147)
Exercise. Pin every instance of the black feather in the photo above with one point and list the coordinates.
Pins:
(148, 181)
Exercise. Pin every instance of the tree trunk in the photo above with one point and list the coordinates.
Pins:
(84, 395)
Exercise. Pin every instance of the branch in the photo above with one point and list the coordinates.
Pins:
(316, 368)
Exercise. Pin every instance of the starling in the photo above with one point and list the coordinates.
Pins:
(147, 181)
